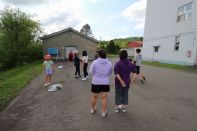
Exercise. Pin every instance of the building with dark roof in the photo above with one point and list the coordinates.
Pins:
(61, 43)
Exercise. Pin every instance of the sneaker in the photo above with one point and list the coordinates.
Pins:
(117, 110)
(87, 77)
(47, 84)
(92, 110)
(104, 114)
(84, 79)
(79, 76)
(76, 77)
(123, 109)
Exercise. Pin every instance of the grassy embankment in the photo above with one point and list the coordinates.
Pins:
(172, 66)
(164, 65)
(13, 81)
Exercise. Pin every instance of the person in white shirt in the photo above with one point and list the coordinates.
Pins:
(138, 62)
(85, 64)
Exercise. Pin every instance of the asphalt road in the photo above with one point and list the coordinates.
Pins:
(166, 102)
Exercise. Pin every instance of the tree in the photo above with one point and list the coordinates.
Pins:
(86, 30)
(18, 32)
(112, 48)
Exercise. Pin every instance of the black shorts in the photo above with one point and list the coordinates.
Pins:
(137, 69)
(100, 88)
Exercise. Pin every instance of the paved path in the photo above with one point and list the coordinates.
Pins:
(166, 102)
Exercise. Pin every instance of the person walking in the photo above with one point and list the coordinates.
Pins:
(49, 69)
(77, 64)
(123, 71)
(85, 64)
(138, 61)
(101, 69)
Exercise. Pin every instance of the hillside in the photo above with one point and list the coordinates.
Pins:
(121, 42)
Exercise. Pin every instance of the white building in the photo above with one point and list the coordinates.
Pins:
(170, 34)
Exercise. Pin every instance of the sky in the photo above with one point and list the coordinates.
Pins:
(108, 19)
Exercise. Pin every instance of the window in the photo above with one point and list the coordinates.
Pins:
(177, 43)
(156, 48)
(184, 12)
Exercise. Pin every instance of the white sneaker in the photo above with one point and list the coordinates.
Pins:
(117, 110)
(92, 110)
(124, 109)
(87, 77)
(84, 79)
(104, 114)
(47, 84)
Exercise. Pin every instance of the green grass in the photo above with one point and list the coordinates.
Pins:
(112, 56)
(172, 66)
(13, 81)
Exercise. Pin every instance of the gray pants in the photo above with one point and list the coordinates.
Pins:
(121, 95)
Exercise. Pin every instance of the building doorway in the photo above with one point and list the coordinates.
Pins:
(68, 50)
(155, 53)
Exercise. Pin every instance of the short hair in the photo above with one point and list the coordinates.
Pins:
(84, 53)
(138, 50)
(102, 53)
(123, 54)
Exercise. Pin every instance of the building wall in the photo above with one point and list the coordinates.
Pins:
(161, 28)
(70, 39)
(57, 41)
(83, 43)
(166, 52)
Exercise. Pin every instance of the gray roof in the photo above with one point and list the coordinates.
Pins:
(66, 30)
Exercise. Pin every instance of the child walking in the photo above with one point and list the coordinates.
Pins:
(138, 61)
(85, 64)
(49, 69)
(77, 64)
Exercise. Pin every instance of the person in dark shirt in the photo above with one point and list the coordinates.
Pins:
(124, 71)
(77, 64)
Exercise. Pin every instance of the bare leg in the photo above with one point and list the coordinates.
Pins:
(94, 100)
(49, 78)
(104, 101)
(134, 77)
(143, 76)
(46, 79)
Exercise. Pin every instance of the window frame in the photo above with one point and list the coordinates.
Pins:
(156, 49)
(177, 43)
(184, 13)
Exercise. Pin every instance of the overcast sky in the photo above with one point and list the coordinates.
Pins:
(108, 19)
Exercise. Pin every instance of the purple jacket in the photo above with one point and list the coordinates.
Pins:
(124, 68)
(101, 69)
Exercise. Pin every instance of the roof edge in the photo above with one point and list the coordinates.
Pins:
(65, 30)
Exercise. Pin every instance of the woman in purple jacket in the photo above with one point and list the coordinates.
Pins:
(101, 69)
(124, 71)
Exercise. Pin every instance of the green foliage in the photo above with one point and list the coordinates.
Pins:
(86, 30)
(122, 42)
(14, 80)
(102, 45)
(117, 44)
(112, 48)
(18, 34)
